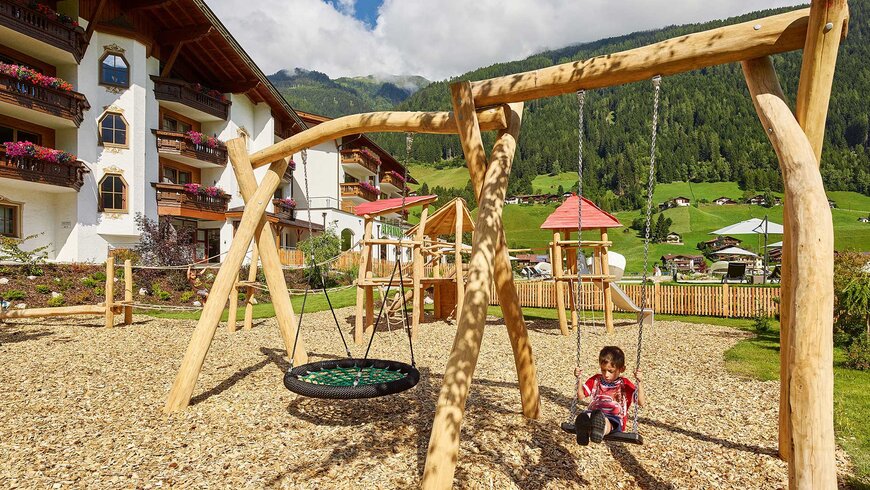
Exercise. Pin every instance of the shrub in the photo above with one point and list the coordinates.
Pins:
(14, 295)
(122, 254)
(63, 284)
(858, 354)
(761, 322)
(159, 293)
(83, 298)
(90, 282)
(100, 276)
(43, 289)
(161, 244)
(10, 249)
(56, 301)
(100, 291)
(186, 296)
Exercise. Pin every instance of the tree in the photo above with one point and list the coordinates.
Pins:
(162, 244)
(10, 249)
(423, 190)
(661, 229)
(321, 247)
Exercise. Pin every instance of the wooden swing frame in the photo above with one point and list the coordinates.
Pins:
(806, 432)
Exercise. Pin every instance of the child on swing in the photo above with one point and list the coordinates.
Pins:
(611, 397)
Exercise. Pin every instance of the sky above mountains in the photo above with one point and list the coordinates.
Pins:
(443, 38)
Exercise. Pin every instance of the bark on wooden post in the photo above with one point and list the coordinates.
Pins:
(605, 284)
(233, 313)
(572, 287)
(249, 290)
(128, 292)
(811, 245)
(110, 291)
(417, 312)
(558, 275)
(457, 257)
(360, 323)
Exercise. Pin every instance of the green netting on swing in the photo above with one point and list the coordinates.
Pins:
(354, 376)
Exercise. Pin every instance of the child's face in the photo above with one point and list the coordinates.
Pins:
(610, 372)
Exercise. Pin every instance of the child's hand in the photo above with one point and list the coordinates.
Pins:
(638, 375)
(578, 372)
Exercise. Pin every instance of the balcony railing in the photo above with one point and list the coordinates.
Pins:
(21, 18)
(284, 211)
(56, 102)
(394, 181)
(180, 144)
(172, 90)
(354, 189)
(360, 158)
(173, 198)
(71, 175)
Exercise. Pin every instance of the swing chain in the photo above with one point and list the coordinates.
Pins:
(575, 401)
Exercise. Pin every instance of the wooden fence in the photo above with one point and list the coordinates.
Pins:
(724, 300)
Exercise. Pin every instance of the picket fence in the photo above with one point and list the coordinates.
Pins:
(723, 300)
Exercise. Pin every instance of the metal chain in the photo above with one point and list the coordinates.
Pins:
(409, 143)
(581, 98)
(656, 80)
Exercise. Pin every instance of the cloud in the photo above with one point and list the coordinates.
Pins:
(445, 38)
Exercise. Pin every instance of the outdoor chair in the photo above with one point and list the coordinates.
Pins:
(736, 272)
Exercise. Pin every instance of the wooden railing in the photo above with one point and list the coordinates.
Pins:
(724, 300)
(181, 144)
(31, 169)
(21, 18)
(56, 102)
(359, 158)
(393, 181)
(291, 256)
(354, 189)
(174, 196)
(172, 90)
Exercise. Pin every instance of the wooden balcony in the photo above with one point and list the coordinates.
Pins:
(358, 163)
(70, 175)
(172, 200)
(355, 192)
(178, 146)
(392, 184)
(55, 108)
(183, 98)
(20, 18)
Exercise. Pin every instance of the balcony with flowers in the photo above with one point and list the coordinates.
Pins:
(358, 192)
(25, 161)
(191, 201)
(192, 148)
(393, 183)
(191, 99)
(49, 101)
(285, 207)
(361, 163)
(61, 38)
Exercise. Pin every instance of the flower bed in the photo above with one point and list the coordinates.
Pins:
(201, 190)
(53, 14)
(28, 149)
(286, 203)
(370, 155)
(368, 187)
(31, 76)
(198, 138)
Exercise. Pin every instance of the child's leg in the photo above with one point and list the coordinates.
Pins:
(607, 426)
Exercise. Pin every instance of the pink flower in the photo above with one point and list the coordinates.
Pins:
(28, 149)
(287, 203)
(369, 187)
(198, 138)
(33, 77)
(397, 175)
(291, 165)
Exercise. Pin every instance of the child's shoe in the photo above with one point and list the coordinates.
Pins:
(581, 427)
(598, 423)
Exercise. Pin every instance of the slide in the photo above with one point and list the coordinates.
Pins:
(616, 266)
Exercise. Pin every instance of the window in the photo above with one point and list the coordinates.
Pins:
(12, 134)
(346, 239)
(172, 124)
(113, 130)
(9, 219)
(113, 193)
(175, 176)
(114, 70)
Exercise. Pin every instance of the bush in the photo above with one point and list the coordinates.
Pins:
(56, 301)
(159, 293)
(100, 276)
(186, 296)
(858, 354)
(161, 244)
(43, 289)
(10, 249)
(761, 322)
(14, 295)
(90, 282)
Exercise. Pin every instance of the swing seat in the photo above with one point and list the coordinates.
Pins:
(351, 378)
(624, 437)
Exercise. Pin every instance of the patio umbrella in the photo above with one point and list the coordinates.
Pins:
(775, 245)
(735, 251)
(752, 226)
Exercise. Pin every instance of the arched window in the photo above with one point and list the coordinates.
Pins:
(114, 70)
(346, 239)
(113, 194)
(113, 130)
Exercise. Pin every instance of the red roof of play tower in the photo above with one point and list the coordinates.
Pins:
(565, 216)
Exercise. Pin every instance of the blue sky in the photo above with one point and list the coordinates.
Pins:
(366, 11)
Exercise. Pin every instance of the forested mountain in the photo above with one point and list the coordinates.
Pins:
(708, 129)
(312, 91)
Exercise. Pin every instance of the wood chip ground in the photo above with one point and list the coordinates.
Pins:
(81, 407)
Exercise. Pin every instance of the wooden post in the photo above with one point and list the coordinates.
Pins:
(608, 292)
(726, 300)
(417, 312)
(810, 376)
(457, 257)
(360, 323)
(559, 273)
(232, 316)
(249, 290)
(110, 291)
(573, 287)
(128, 292)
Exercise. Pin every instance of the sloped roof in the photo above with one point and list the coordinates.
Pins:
(565, 216)
(386, 206)
(443, 221)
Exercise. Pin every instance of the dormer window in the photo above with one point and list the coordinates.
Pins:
(114, 70)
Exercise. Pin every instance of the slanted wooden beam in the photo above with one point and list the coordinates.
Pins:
(92, 20)
(810, 242)
(374, 122)
(173, 55)
(185, 34)
(730, 44)
(237, 87)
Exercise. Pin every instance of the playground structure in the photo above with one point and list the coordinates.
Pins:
(107, 309)
(427, 250)
(806, 399)
(563, 221)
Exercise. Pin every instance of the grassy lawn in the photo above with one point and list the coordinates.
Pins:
(454, 177)
(549, 184)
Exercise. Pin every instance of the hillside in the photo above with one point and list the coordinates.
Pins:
(315, 92)
(709, 131)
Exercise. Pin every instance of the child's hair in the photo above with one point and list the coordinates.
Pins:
(612, 355)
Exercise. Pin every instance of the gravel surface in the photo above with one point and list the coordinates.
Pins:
(82, 407)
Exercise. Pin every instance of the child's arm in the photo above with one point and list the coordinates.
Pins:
(578, 373)
(641, 397)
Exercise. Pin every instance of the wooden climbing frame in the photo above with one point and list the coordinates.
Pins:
(806, 405)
